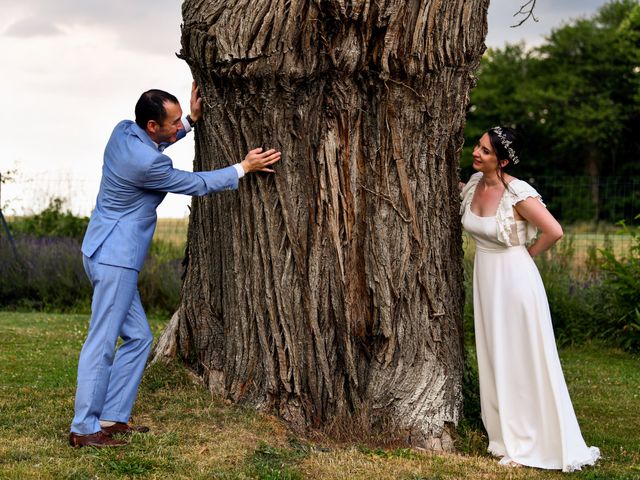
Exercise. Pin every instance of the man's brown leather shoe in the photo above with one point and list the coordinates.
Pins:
(97, 440)
(124, 429)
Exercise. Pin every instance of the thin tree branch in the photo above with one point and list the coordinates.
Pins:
(527, 11)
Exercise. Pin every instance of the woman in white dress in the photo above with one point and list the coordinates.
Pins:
(525, 403)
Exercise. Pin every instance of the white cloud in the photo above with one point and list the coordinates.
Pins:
(140, 25)
(32, 27)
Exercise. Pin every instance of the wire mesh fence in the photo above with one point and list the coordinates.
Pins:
(592, 212)
(597, 202)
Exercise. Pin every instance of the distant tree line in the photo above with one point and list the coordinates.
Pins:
(576, 101)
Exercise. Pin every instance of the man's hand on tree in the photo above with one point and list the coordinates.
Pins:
(195, 103)
(259, 161)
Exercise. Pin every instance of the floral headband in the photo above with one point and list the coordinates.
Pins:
(506, 144)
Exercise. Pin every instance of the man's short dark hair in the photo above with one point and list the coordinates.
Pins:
(150, 106)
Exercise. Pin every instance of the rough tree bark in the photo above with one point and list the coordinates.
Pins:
(331, 292)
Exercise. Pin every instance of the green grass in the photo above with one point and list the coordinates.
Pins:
(195, 436)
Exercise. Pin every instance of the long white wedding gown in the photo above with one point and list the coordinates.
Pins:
(525, 403)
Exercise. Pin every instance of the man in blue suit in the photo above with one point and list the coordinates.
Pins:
(136, 176)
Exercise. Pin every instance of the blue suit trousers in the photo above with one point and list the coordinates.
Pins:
(108, 379)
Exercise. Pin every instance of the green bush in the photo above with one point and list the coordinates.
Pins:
(51, 222)
(622, 285)
(467, 315)
(47, 273)
(160, 279)
(471, 388)
(470, 379)
(574, 299)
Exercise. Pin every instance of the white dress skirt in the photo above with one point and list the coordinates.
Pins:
(525, 403)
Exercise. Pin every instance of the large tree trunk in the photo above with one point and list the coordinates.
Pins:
(331, 293)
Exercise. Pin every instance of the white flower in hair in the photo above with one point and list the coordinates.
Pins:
(506, 144)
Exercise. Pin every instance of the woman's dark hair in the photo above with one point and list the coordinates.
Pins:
(150, 106)
(506, 143)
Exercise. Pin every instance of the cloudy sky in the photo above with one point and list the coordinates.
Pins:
(71, 69)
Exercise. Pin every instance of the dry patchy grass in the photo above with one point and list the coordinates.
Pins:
(172, 230)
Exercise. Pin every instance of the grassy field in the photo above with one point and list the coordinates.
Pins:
(195, 436)
(581, 236)
(579, 243)
(172, 230)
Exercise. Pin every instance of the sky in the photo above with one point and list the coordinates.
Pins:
(72, 69)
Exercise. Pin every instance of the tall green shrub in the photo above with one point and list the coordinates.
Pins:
(53, 221)
(574, 297)
(161, 278)
(622, 281)
(48, 273)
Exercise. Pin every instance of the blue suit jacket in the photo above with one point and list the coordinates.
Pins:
(136, 177)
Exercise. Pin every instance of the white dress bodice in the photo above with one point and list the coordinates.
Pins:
(483, 230)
